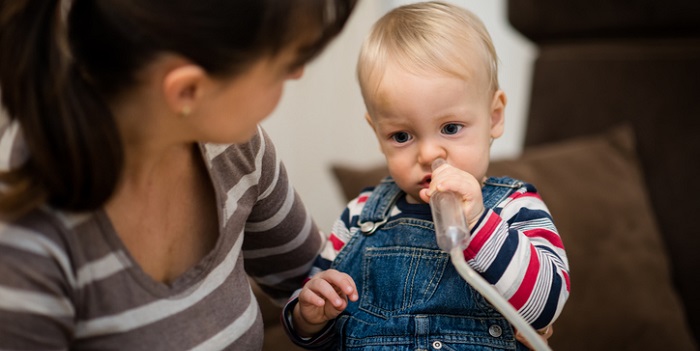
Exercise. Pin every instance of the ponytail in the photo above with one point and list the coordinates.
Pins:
(75, 153)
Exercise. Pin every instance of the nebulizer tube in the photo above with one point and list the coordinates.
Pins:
(452, 235)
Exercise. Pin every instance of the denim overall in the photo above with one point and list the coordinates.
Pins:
(411, 297)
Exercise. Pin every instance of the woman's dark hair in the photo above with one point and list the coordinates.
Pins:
(58, 72)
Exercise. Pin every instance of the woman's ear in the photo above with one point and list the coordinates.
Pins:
(183, 87)
(498, 107)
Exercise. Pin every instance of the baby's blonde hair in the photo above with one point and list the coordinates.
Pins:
(427, 37)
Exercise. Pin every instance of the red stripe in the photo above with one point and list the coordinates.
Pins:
(516, 195)
(566, 278)
(362, 199)
(478, 240)
(528, 284)
(337, 243)
(545, 234)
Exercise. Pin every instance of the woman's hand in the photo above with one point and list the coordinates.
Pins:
(323, 298)
(545, 334)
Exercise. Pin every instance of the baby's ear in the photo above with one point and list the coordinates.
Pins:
(498, 107)
(368, 118)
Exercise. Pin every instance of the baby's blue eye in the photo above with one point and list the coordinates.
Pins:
(451, 128)
(401, 137)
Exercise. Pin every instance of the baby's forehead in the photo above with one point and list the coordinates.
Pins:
(468, 62)
(473, 71)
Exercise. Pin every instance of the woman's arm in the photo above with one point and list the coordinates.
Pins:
(36, 309)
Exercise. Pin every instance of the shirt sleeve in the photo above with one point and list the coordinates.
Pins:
(281, 238)
(36, 282)
(517, 248)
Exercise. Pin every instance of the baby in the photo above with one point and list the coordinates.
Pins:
(428, 75)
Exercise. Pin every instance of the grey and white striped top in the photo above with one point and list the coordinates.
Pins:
(68, 282)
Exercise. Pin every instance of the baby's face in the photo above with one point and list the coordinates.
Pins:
(419, 118)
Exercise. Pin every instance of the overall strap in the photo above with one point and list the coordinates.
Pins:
(497, 189)
(376, 209)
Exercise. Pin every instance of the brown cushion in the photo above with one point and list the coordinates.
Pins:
(622, 297)
(584, 88)
(352, 179)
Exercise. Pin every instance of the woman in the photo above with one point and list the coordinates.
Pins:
(133, 166)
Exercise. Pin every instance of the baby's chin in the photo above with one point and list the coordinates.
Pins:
(414, 199)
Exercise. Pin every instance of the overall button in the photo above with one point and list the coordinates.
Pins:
(367, 227)
(437, 345)
(495, 330)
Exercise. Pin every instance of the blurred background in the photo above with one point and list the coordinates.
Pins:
(320, 120)
(624, 206)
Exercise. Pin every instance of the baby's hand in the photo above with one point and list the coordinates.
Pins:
(323, 298)
(448, 178)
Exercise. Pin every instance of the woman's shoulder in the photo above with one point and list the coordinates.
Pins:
(41, 243)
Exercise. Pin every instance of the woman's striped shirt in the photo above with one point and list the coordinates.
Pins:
(68, 282)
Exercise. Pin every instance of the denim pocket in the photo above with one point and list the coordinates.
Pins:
(398, 278)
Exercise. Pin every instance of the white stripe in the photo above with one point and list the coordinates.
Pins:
(102, 268)
(245, 183)
(161, 309)
(23, 301)
(274, 279)
(298, 240)
(273, 184)
(514, 274)
(214, 150)
(6, 142)
(539, 223)
(277, 218)
(485, 257)
(234, 331)
(538, 297)
(529, 202)
(30, 241)
(71, 220)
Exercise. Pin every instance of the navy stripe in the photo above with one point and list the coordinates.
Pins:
(525, 214)
(345, 217)
(548, 249)
(503, 258)
(322, 263)
(550, 308)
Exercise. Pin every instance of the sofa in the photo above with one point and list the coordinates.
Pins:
(612, 145)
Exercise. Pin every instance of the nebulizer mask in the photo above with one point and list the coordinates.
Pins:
(452, 235)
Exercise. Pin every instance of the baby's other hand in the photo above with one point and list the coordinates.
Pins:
(449, 178)
(323, 298)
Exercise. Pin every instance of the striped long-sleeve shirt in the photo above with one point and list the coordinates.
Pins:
(514, 246)
(68, 282)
